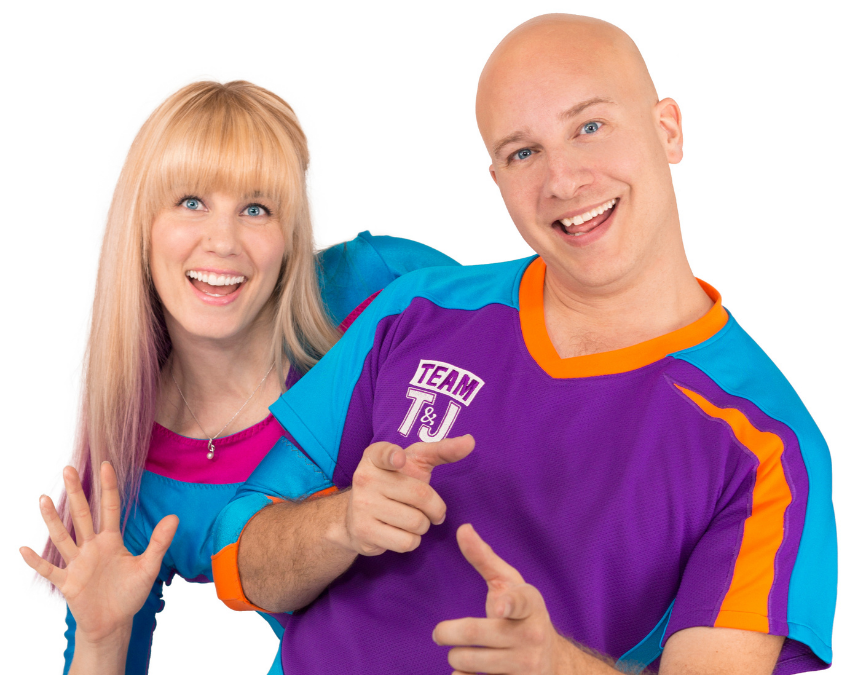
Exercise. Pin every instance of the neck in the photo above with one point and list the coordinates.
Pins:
(216, 377)
(656, 300)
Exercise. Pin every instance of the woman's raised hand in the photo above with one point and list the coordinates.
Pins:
(103, 583)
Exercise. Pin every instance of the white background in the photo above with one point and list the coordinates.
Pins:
(385, 93)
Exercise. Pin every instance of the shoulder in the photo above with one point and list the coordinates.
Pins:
(353, 270)
(470, 287)
(404, 255)
(738, 366)
(395, 255)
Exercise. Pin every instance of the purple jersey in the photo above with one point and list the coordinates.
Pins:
(676, 483)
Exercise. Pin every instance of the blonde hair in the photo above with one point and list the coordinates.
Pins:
(235, 137)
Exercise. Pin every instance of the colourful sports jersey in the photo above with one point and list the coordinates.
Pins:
(179, 478)
(676, 483)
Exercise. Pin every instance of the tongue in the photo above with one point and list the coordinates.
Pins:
(209, 289)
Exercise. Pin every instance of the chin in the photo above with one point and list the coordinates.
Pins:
(608, 274)
(600, 271)
(211, 331)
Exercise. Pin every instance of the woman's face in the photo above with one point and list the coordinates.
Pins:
(215, 260)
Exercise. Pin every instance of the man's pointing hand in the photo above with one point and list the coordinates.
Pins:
(516, 637)
(391, 504)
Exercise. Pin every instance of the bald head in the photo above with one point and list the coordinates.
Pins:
(548, 48)
(581, 147)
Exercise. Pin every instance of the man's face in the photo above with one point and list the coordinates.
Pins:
(581, 155)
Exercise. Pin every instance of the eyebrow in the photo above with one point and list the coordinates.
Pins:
(513, 138)
(577, 109)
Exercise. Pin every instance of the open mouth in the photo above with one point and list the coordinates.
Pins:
(215, 285)
(585, 223)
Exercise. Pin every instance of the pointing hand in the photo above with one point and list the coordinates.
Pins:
(391, 504)
(516, 636)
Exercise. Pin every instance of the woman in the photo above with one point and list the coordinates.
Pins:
(209, 303)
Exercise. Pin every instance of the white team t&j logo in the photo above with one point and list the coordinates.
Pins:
(433, 378)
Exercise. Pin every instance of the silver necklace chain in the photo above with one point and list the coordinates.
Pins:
(211, 444)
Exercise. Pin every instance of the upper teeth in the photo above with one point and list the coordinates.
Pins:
(584, 217)
(214, 279)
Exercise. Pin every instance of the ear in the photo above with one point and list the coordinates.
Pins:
(669, 120)
(493, 174)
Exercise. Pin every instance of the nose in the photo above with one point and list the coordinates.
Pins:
(566, 175)
(222, 235)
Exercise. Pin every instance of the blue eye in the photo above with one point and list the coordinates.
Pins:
(192, 203)
(590, 128)
(525, 153)
(255, 210)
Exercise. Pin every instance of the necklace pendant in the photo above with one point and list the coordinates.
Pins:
(211, 449)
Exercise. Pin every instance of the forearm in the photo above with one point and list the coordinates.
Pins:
(107, 656)
(290, 552)
(699, 650)
(576, 659)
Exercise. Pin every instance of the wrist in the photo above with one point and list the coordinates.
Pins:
(101, 654)
(573, 658)
(117, 638)
(336, 531)
(567, 656)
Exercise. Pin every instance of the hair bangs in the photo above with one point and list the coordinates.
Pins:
(228, 148)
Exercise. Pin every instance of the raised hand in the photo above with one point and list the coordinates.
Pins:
(516, 636)
(391, 504)
(103, 583)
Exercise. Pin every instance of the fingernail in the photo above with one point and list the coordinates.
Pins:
(506, 609)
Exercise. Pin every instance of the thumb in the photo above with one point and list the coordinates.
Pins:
(161, 538)
(428, 455)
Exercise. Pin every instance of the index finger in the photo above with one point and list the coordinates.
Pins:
(495, 571)
(110, 500)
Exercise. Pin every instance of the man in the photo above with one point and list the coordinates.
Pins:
(645, 474)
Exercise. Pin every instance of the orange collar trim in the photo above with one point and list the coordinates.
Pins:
(540, 347)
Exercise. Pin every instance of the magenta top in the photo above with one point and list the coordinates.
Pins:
(185, 459)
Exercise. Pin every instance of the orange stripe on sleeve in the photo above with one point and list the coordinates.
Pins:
(225, 568)
(323, 493)
(745, 603)
(228, 585)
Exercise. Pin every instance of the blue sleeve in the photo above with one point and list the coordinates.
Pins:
(404, 255)
(352, 271)
(144, 623)
(285, 473)
(342, 384)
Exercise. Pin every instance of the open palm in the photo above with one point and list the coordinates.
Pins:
(103, 583)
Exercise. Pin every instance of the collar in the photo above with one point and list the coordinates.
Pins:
(605, 363)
